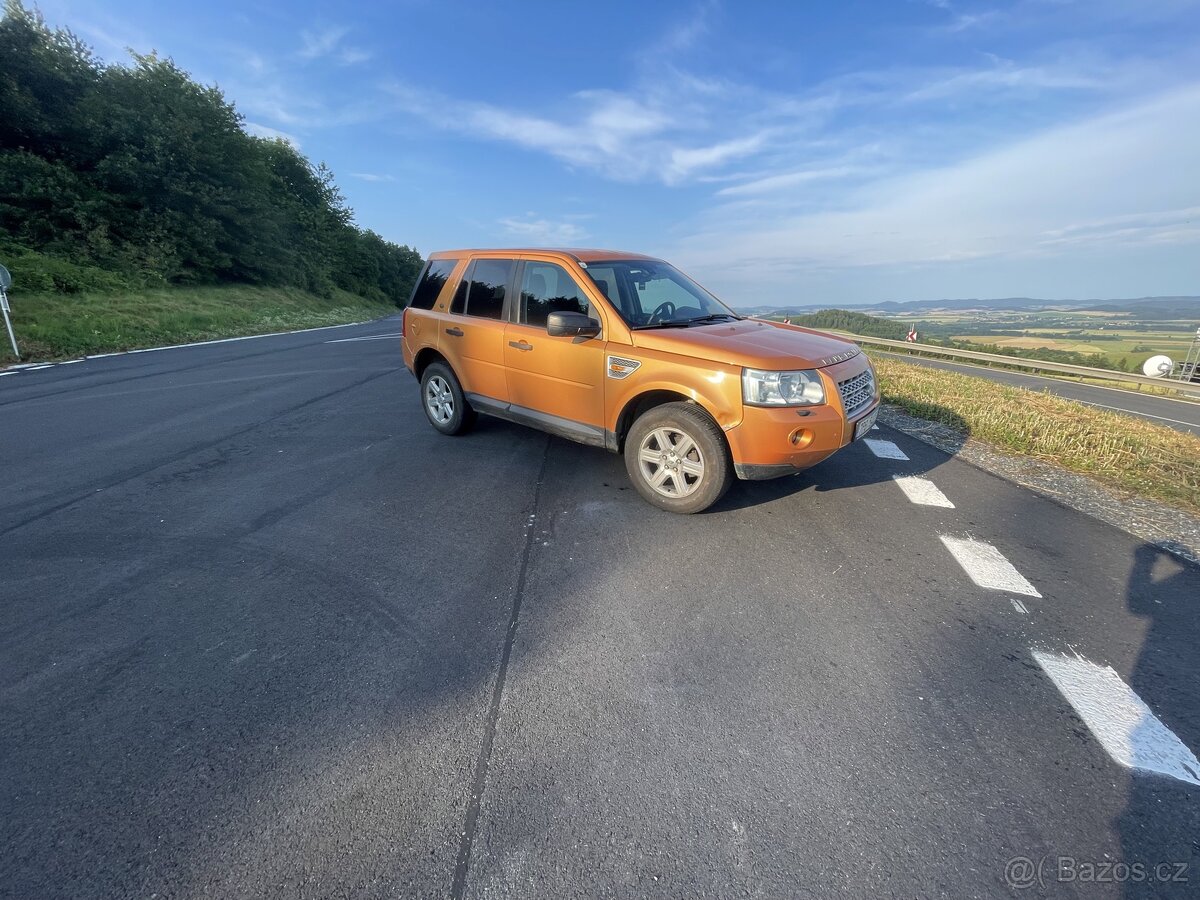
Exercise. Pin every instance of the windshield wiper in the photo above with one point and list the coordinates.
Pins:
(684, 323)
(680, 323)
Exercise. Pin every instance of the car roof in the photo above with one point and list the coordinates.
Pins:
(577, 253)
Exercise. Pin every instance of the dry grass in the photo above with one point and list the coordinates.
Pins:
(1124, 452)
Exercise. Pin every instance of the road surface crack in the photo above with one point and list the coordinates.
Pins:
(479, 783)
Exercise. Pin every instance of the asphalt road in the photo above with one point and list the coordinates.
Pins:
(266, 634)
(1182, 415)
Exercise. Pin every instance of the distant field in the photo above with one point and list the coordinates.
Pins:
(1130, 346)
(1119, 337)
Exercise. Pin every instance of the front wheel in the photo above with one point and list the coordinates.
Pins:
(677, 459)
(442, 398)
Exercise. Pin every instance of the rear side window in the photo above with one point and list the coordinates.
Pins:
(548, 288)
(481, 293)
(436, 274)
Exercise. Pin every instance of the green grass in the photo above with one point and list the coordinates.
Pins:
(58, 326)
(1123, 452)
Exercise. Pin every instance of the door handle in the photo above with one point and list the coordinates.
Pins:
(457, 332)
(520, 345)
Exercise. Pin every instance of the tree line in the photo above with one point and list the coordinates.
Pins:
(120, 176)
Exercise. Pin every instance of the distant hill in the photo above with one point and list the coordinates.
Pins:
(1148, 307)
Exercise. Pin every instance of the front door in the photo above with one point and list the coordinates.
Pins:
(557, 381)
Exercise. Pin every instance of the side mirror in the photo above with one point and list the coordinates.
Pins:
(571, 324)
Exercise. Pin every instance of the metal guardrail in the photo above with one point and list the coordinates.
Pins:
(1191, 389)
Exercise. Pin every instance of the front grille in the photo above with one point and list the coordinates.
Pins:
(857, 392)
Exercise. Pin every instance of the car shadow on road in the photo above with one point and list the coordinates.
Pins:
(855, 465)
(1159, 828)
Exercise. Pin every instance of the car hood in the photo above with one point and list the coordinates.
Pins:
(752, 343)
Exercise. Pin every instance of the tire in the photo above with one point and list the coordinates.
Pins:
(442, 399)
(681, 482)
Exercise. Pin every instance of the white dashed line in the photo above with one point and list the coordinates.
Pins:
(1117, 716)
(922, 491)
(987, 566)
(1134, 412)
(884, 449)
(1018, 605)
(371, 337)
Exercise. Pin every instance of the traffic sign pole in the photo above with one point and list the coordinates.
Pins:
(8, 322)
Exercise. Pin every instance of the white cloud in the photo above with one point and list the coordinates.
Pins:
(328, 43)
(318, 43)
(775, 183)
(539, 232)
(370, 176)
(266, 131)
(1111, 184)
(685, 33)
(624, 136)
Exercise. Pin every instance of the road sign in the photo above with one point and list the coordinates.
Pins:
(5, 279)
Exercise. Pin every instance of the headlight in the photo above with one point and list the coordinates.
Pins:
(782, 388)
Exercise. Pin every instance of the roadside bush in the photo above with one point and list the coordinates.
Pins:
(37, 273)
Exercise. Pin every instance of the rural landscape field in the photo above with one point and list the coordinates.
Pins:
(1123, 340)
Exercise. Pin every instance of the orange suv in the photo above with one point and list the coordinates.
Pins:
(627, 353)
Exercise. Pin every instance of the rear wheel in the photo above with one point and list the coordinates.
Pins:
(443, 401)
(677, 459)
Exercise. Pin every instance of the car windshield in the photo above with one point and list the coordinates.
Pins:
(652, 294)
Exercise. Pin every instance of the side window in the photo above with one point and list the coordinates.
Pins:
(426, 292)
(488, 281)
(548, 288)
(485, 296)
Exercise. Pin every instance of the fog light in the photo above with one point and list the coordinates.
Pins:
(801, 437)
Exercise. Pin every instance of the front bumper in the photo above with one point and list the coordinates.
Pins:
(770, 442)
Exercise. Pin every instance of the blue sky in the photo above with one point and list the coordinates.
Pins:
(809, 152)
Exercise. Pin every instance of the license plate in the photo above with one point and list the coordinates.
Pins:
(863, 425)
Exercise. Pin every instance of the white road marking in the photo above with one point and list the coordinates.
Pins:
(922, 491)
(1019, 606)
(35, 368)
(987, 566)
(370, 337)
(1117, 716)
(884, 449)
(1134, 412)
(245, 337)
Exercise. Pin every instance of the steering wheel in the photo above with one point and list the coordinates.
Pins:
(663, 311)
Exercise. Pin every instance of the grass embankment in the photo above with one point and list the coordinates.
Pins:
(58, 326)
(1121, 451)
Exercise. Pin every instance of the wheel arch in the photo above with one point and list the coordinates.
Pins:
(639, 404)
(425, 357)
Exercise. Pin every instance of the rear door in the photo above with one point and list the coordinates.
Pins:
(472, 336)
(557, 381)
